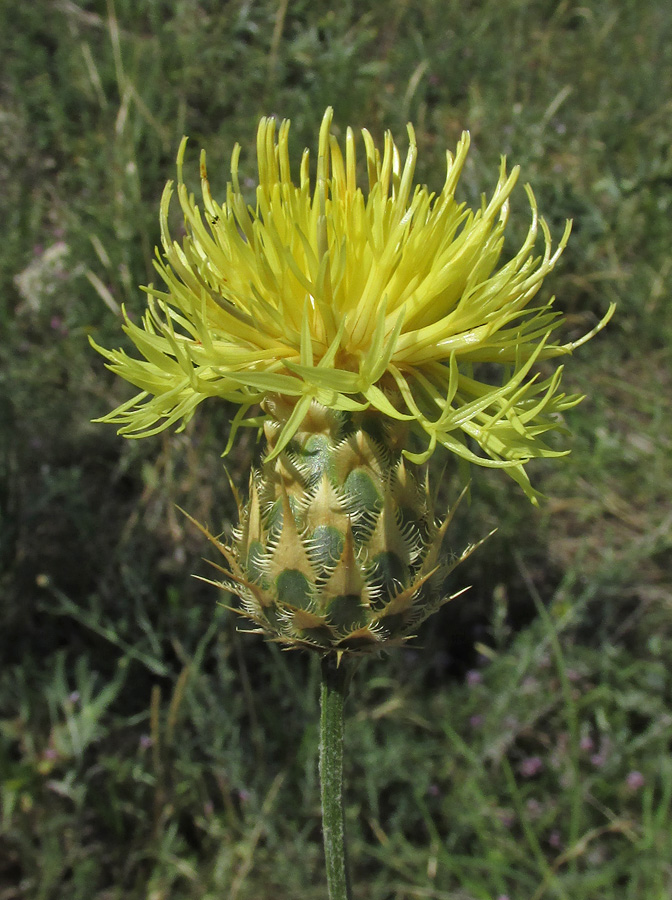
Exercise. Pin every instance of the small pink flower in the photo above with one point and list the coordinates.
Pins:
(507, 818)
(474, 677)
(57, 324)
(531, 766)
(554, 840)
(635, 780)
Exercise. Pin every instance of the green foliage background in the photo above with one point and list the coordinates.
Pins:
(147, 749)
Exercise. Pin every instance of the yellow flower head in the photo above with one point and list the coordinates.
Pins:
(385, 298)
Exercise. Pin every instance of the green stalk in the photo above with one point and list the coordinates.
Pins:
(333, 693)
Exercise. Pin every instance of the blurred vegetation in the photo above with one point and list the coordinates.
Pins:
(147, 749)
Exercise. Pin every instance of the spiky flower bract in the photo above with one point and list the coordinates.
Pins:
(338, 548)
(385, 299)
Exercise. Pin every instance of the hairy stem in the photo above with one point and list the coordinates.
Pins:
(334, 690)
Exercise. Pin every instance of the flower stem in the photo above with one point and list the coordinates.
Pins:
(334, 690)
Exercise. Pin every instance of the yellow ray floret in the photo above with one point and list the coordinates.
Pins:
(382, 297)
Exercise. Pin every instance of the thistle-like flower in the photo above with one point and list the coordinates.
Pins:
(354, 319)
